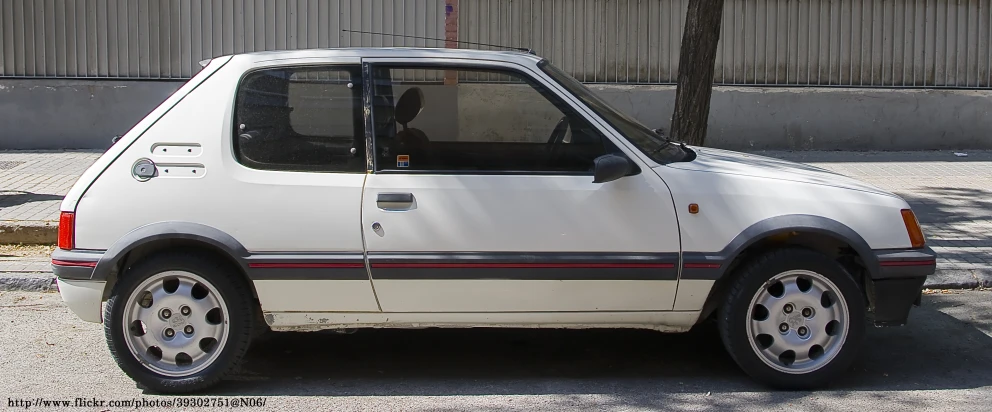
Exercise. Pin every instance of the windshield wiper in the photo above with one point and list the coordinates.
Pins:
(660, 133)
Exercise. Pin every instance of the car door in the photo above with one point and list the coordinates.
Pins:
(482, 198)
(297, 175)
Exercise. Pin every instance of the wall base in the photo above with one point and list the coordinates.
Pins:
(85, 114)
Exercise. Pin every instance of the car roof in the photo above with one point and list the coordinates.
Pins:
(388, 52)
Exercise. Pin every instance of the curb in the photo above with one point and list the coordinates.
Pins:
(960, 279)
(28, 282)
(29, 232)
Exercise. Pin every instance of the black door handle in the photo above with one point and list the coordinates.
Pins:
(395, 198)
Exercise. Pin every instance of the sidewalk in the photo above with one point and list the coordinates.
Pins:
(952, 197)
(32, 185)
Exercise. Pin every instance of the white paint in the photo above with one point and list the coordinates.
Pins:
(84, 298)
(316, 296)
(500, 295)
(507, 213)
(692, 294)
(668, 321)
(94, 171)
(734, 191)
(264, 210)
(466, 213)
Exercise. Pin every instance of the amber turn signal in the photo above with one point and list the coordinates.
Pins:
(693, 208)
(913, 228)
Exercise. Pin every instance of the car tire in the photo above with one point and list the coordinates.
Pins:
(208, 314)
(763, 322)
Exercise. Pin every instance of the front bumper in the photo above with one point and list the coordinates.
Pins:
(897, 285)
(80, 291)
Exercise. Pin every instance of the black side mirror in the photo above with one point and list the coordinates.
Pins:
(610, 167)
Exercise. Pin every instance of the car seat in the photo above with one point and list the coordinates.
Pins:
(411, 141)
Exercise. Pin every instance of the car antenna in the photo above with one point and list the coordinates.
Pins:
(523, 49)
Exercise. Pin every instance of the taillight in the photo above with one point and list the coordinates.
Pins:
(67, 230)
(913, 228)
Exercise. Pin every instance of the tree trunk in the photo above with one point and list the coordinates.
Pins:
(697, 60)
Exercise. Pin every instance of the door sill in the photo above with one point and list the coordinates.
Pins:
(664, 321)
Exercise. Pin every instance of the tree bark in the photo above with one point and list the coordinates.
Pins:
(697, 61)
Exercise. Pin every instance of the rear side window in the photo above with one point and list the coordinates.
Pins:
(301, 119)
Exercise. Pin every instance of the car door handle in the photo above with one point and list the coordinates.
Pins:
(394, 201)
(395, 198)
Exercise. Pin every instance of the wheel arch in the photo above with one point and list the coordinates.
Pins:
(814, 232)
(161, 236)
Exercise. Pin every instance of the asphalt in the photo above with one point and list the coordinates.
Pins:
(941, 361)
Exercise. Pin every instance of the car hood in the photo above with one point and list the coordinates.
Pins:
(745, 164)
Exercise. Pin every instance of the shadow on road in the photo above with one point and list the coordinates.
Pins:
(950, 204)
(936, 351)
(9, 198)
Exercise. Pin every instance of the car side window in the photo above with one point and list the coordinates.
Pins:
(301, 119)
(474, 120)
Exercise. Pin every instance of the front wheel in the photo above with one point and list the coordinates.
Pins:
(793, 319)
(179, 322)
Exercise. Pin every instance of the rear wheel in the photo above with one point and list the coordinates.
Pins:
(179, 322)
(793, 319)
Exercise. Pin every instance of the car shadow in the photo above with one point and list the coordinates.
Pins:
(10, 198)
(935, 351)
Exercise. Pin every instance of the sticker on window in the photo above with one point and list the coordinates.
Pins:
(402, 160)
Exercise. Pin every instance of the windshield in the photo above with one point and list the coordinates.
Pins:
(653, 145)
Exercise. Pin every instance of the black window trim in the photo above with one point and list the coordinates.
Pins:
(557, 101)
(232, 136)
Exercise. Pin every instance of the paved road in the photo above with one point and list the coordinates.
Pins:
(942, 361)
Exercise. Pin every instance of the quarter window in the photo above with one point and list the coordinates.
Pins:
(301, 119)
(467, 120)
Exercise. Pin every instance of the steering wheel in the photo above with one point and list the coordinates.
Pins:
(557, 138)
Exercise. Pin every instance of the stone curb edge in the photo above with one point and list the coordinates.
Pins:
(28, 282)
(960, 279)
(29, 233)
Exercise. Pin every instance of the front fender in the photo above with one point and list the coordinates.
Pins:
(713, 265)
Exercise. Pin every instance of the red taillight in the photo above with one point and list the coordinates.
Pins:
(67, 230)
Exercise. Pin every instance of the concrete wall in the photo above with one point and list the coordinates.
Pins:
(435, 119)
(74, 114)
(745, 118)
(57, 114)
(529, 116)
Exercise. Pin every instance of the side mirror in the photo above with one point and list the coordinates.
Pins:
(610, 167)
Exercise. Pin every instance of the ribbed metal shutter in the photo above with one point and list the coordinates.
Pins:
(869, 43)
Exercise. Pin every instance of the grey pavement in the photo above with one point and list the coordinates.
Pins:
(941, 361)
(951, 195)
(32, 185)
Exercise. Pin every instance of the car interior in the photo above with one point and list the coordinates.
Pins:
(571, 147)
(283, 123)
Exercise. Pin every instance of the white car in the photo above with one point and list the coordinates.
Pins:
(411, 188)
